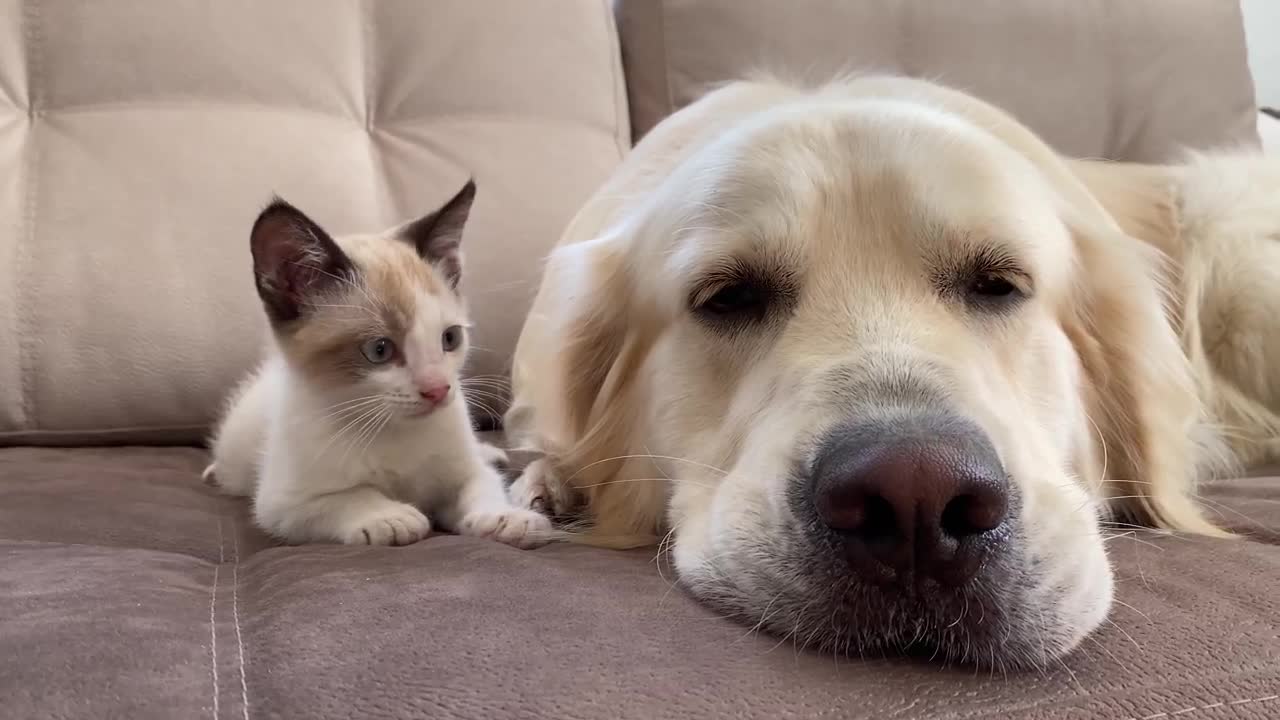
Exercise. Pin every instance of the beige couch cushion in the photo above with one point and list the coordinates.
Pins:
(138, 139)
(1124, 79)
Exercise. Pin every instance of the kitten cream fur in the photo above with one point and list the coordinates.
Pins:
(335, 448)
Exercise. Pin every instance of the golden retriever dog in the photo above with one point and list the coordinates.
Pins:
(878, 367)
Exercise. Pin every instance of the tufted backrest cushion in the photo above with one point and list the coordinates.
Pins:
(138, 140)
(1122, 79)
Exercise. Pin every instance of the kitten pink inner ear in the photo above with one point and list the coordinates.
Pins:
(293, 259)
(438, 236)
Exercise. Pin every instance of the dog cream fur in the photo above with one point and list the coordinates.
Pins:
(1140, 363)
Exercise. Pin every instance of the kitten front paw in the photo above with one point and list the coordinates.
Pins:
(395, 524)
(513, 526)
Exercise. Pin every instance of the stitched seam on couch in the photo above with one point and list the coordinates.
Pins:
(666, 65)
(23, 307)
(621, 108)
(153, 435)
(213, 617)
(367, 75)
(235, 616)
(183, 102)
(371, 122)
(105, 431)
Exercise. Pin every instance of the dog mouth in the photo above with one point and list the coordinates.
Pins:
(998, 624)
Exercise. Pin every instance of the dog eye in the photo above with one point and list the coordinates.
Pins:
(992, 291)
(991, 286)
(735, 299)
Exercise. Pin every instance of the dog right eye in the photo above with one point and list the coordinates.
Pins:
(733, 298)
(737, 300)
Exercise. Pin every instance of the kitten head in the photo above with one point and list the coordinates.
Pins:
(372, 319)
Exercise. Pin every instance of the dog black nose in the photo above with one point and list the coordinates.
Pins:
(914, 498)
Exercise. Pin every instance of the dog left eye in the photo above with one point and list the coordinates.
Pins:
(992, 286)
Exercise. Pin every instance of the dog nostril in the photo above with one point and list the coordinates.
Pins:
(869, 518)
(973, 514)
(879, 520)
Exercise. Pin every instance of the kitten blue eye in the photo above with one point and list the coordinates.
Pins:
(451, 338)
(378, 350)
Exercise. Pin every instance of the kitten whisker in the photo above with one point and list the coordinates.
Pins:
(341, 432)
(487, 382)
(362, 398)
(493, 414)
(368, 423)
(378, 427)
(497, 391)
(472, 392)
(339, 414)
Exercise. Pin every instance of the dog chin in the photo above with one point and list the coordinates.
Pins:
(1021, 611)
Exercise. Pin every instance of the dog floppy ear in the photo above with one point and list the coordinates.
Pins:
(605, 339)
(1139, 387)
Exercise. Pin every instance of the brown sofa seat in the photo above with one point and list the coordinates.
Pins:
(129, 589)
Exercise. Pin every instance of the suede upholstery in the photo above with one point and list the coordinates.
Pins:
(131, 590)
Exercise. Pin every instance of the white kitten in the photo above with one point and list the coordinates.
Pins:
(355, 421)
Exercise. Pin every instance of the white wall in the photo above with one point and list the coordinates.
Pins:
(1262, 28)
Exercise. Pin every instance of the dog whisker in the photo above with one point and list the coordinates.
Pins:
(639, 456)
(1141, 614)
(641, 480)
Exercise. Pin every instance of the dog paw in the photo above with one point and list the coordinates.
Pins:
(395, 524)
(493, 455)
(513, 526)
(536, 490)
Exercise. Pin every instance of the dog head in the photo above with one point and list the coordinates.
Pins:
(880, 367)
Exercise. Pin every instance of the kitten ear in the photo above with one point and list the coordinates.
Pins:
(438, 236)
(294, 261)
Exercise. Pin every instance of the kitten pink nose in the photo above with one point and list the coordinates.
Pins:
(434, 393)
